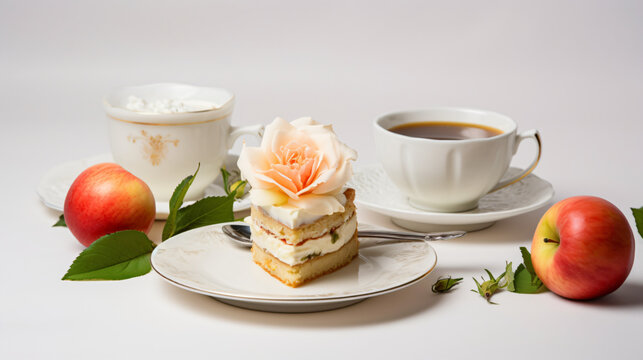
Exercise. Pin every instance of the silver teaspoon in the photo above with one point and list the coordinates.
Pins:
(241, 235)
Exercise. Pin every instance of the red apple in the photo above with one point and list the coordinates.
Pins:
(583, 248)
(105, 198)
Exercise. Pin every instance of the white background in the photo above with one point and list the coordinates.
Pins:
(573, 70)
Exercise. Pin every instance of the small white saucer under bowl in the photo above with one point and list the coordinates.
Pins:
(375, 191)
(205, 261)
(53, 187)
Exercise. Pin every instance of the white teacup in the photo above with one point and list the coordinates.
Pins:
(163, 148)
(449, 175)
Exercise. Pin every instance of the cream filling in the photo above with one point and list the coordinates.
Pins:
(294, 216)
(293, 255)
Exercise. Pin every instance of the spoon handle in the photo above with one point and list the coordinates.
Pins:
(380, 234)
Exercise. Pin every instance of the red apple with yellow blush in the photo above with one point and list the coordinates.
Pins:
(583, 248)
(106, 198)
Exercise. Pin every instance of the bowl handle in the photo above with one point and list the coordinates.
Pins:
(236, 131)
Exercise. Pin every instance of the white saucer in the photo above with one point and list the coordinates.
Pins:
(204, 261)
(54, 185)
(375, 191)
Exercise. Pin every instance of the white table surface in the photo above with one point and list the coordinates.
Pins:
(573, 70)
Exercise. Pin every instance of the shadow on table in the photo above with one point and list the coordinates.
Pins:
(629, 295)
(381, 309)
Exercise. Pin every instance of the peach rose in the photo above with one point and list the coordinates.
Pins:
(301, 160)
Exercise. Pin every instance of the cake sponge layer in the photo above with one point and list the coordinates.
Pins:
(306, 231)
(305, 250)
(298, 274)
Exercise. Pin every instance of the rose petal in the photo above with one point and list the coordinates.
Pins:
(328, 143)
(291, 174)
(323, 176)
(270, 132)
(251, 159)
(303, 122)
(336, 182)
(270, 180)
(261, 197)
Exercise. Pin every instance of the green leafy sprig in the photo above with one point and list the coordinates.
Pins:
(176, 201)
(638, 219)
(489, 287)
(525, 279)
(126, 254)
(121, 255)
(444, 285)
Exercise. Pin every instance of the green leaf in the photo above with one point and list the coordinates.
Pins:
(524, 282)
(61, 221)
(526, 259)
(207, 211)
(510, 278)
(225, 175)
(176, 201)
(490, 275)
(121, 255)
(638, 218)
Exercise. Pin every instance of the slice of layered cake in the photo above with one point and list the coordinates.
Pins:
(299, 252)
(303, 220)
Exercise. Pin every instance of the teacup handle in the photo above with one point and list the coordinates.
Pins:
(529, 134)
(236, 131)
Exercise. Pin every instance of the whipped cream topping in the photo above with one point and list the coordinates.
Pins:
(307, 211)
(297, 254)
(167, 106)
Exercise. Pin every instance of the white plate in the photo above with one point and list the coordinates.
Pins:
(375, 191)
(206, 262)
(54, 185)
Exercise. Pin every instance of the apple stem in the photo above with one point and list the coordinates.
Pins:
(551, 241)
